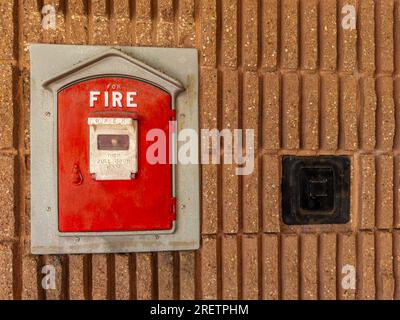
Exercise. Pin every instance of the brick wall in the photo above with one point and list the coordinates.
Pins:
(285, 68)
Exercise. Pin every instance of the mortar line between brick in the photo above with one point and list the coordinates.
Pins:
(20, 183)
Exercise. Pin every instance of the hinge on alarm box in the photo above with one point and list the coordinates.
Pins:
(173, 207)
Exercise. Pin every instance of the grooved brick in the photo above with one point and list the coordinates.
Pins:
(270, 265)
(99, 23)
(31, 28)
(310, 111)
(208, 55)
(271, 112)
(6, 271)
(397, 108)
(309, 34)
(367, 191)
(6, 29)
(6, 106)
(327, 260)
(165, 25)
(251, 108)
(230, 181)
(76, 280)
(269, 34)
(229, 268)
(250, 182)
(250, 267)
(251, 200)
(208, 252)
(308, 265)
(385, 114)
(384, 274)
(289, 34)
(368, 114)
(290, 112)
(209, 198)
(347, 39)
(384, 201)
(120, 26)
(366, 278)
(396, 192)
(29, 273)
(122, 278)
(56, 35)
(367, 36)
(347, 257)
(143, 25)
(187, 275)
(165, 275)
(250, 34)
(396, 39)
(396, 263)
(328, 34)
(76, 21)
(56, 262)
(186, 23)
(230, 203)
(230, 104)
(144, 276)
(348, 111)
(99, 276)
(208, 98)
(7, 219)
(384, 31)
(271, 193)
(329, 112)
(229, 33)
(290, 267)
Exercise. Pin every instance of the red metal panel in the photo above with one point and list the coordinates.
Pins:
(86, 205)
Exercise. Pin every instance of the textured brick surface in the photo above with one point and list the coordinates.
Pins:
(187, 275)
(6, 105)
(327, 280)
(367, 192)
(76, 281)
(366, 269)
(291, 112)
(229, 268)
(384, 214)
(99, 277)
(6, 271)
(288, 70)
(384, 256)
(289, 34)
(122, 277)
(165, 261)
(310, 112)
(368, 114)
(250, 267)
(290, 267)
(7, 219)
(329, 112)
(309, 265)
(270, 267)
(367, 36)
(209, 268)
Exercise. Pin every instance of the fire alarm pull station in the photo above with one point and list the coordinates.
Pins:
(97, 116)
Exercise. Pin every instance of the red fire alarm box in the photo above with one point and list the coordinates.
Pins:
(105, 182)
(105, 140)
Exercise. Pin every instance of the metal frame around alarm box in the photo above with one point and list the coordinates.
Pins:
(56, 66)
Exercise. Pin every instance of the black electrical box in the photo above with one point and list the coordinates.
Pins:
(315, 190)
